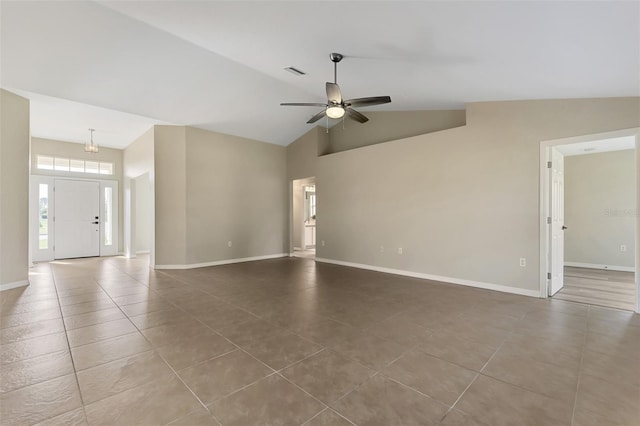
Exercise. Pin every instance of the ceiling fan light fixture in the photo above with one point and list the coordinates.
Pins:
(335, 111)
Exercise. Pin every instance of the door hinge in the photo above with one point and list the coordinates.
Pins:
(548, 275)
(549, 164)
(549, 220)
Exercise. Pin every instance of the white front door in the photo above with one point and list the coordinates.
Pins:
(76, 219)
(557, 222)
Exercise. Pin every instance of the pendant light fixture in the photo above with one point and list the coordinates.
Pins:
(90, 146)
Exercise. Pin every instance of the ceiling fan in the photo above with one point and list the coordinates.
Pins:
(336, 107)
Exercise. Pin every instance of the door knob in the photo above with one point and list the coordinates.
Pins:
(564, 227)
(95, 223)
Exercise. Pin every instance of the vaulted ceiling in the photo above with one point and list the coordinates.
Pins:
(121, 66)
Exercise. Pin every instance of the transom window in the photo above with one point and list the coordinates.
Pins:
(74, 165)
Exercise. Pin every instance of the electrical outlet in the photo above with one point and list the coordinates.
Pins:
(623, 247)
(523, 262)
(229, 243)
(381, 249)
(399, 250)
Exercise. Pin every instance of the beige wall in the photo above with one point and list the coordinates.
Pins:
(236, 191)
(138, 163)
(462, 203)
(212, 188)
(302, 154)
(41, 146)
(170, 195)
(384, 126)
(143, 214)
(138, 156)
(600, 198)
(14, 187)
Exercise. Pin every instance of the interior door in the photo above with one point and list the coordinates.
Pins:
(557, 222)
(76, 219)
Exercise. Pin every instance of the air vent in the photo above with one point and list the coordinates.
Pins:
(295, 71)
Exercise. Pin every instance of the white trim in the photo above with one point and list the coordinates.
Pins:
(143, 251)
(111, 250)
(544, 226)
(544, 197)
(222, 262)
(36, 253)
(459, 281)
(16, 284)
(600, 266)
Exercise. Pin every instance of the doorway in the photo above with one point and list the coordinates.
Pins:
(589, 222)
(303, 218)
(73, 218)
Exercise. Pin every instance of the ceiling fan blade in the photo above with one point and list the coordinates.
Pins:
(333, 93)
(302, 104)
(374, 100)
(317, 117)
(355, 115)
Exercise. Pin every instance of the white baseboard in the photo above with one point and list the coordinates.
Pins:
(143, 251)
(600, 266)
(16, 284)
(459, 281)
(222, 262)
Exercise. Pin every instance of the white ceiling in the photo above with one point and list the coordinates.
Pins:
(70, 121)
(219, 65)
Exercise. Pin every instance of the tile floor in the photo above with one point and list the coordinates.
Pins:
(292, 342)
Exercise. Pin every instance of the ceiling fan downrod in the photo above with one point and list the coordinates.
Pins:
(335, 58)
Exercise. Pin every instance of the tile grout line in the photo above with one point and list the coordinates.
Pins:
(154, 349)
(459, 398)
(331, 410)
(323, 349)
(478, 373)
(210, 328)
(66, 335)
(278, 372)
